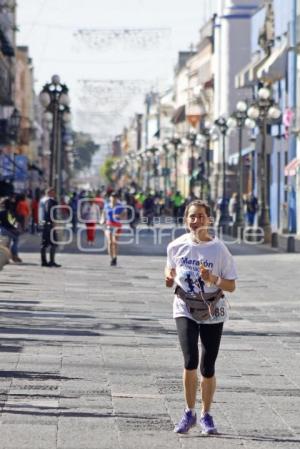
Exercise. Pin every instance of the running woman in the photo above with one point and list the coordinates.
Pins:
(113, 211)
(202, 269)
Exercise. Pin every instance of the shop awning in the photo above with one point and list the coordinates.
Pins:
(291, 168)
(233, 159)
(179, 115)
(275, 66)
(248, 75)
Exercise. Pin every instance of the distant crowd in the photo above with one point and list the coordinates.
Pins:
(23, 212)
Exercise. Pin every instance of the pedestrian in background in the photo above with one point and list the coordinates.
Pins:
(112, 214)
(91, 215)
(49, 235)
(252, 208)
(232, 207)
(202, 269)
(35, 212)
(22, 211)
(178, 206)
(9, 228)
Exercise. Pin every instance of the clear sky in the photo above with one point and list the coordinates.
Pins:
(48, 27)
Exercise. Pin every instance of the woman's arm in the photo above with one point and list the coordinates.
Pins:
(170, 274)
(228, 285)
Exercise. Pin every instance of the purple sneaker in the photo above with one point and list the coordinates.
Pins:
(207, 424)
(187, 421)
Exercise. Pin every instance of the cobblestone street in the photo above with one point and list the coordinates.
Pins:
(90, 359)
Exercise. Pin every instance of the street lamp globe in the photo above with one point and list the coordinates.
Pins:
(64, 99)
(48, 116)
(230, 131)
(55, 79)
(253, 112)
(264, 93)
(207, 124)
(66, 117)
(241, 106)
(45, 99)
(250, 123)
(232, 122)
(274, 113)
(214, 133)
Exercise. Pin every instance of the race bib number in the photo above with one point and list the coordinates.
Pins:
(221, 312)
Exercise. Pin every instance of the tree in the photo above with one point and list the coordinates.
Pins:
(107, 169)
(84, 148)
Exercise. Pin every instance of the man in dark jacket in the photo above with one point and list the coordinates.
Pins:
(8, 228)
(49, 235)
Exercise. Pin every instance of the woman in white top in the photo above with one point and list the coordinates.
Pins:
(202, 268)
(91, 215)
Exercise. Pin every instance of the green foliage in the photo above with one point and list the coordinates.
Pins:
(106, 170)
(84, 148)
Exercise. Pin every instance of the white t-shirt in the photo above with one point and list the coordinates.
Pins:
(186, 257)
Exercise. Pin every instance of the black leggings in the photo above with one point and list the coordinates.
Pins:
(210, 336)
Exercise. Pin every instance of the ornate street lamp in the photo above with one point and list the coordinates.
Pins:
(239, 119)
(176, 142)
(222, 127)
(204, 138)
(54, 97)
(152, 154)
(264, 111)
(166, 147)
(192, 138)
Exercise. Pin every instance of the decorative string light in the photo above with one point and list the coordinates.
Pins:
(133, 38)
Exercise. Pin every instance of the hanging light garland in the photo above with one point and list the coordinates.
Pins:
(115, 87)
(129, 38)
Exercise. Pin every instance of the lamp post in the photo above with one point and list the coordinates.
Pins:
(166, 171)
(192, 137)
(152, 154)
(176, 142)
(54, 97)
(204, 139)
(14, 123)
(140, 169)
(239, 119)
(264, 111)
(222, 127)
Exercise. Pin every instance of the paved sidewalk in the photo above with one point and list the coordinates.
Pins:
(89, 357)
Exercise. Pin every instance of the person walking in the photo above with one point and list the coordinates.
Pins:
(91, 215)
(178, 205)
(9, 228)
(202, 269)
(49, 235)
(113, 211)
(252, 208)
(22, 211)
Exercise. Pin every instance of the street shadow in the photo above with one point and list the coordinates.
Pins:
(32, 375)
(247, 437)
(154, 329)
(47, 331)
(12, 301)
(10, 348)
(261, 334)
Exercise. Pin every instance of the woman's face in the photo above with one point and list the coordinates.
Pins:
(113, 200)
(197, 219)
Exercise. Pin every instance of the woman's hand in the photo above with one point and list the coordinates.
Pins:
(170, 274)
(207, 275)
